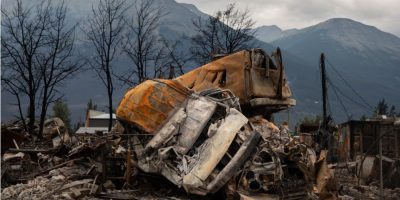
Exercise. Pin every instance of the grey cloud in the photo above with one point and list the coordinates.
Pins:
(383, 14)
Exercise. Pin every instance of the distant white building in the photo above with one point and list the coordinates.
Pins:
(96, 118)
(96, 122)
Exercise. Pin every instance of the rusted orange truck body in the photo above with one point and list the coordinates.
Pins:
(196, 133)
(150, 104)
(252, 75)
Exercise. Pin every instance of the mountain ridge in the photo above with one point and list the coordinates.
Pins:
(301, 70)
(365, 56)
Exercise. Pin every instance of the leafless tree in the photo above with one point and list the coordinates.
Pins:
(236, 28)
(174, 60)
(205, 42)
(104, 30)
(57, 62)
(159, 62)
(142, 44)
(22, 37)
(37, 48)
(225, 32)
(10, 84)
(36, 55)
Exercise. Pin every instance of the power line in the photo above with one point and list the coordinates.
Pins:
(349, 85)
(352, 100)
(340, 100)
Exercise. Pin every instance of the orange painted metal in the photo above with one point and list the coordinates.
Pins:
(149, 105)
(248, 74)
(225, 73)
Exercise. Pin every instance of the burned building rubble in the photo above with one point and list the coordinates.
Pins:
(204, 135)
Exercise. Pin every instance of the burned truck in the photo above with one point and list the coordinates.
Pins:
(199, 139)
(257, 79)
(207, 129)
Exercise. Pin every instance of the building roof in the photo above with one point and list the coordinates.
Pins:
(95, 114)
(103, 116)
(92, 113)
(91, 130)
(385, 120)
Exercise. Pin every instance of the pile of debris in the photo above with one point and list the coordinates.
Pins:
(203, 143)
(190, 132)
(58, 184)
(46, 168)
(200, 142)
(360, 179)
(354, 191)
(186, 138)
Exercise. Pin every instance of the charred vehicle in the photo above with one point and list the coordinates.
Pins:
(252, 75)
(192, 130)
(199, 140)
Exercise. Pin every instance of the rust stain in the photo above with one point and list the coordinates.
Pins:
(237, 72)
(211, 75)
(150, 104)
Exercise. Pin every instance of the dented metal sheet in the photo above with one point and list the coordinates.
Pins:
(225, 73)
(199, 111)
(217, 147)
(236, 162)
(149, 105)
(170, 129)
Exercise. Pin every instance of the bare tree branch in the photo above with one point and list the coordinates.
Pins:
(104, 31)
(142, 45)
(225, 32)
(24, 35)
(57, 61)
(175, 59)
(38, 47)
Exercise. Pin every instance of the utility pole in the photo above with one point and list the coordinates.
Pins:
(325, 135)
(380, 164)
(324, 91)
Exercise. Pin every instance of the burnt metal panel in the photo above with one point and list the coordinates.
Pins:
(149, 105)
(248, 74)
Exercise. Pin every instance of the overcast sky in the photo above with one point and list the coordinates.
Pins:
(384, 14)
